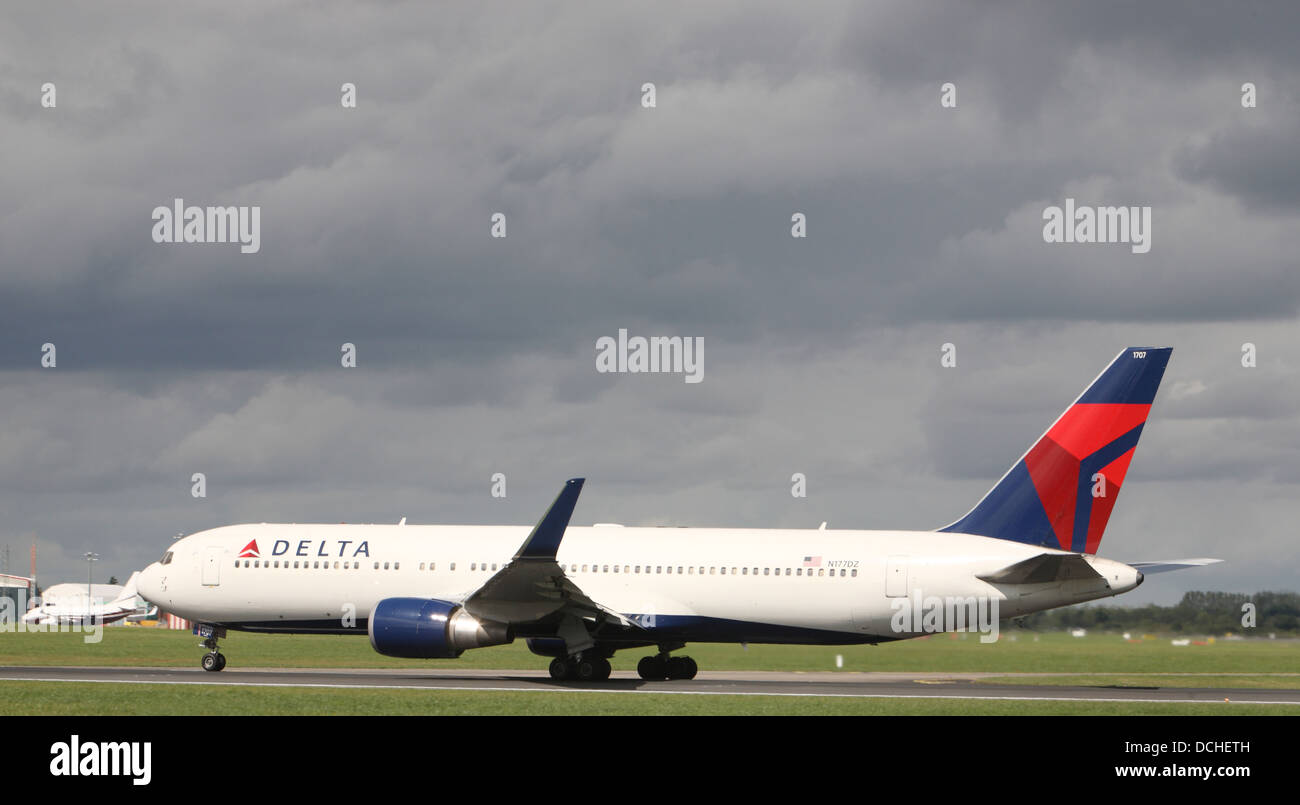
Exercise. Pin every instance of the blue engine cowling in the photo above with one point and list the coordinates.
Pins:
(426, 628)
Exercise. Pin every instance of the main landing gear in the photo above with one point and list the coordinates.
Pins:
(662, 666)
(593, 667)
(214, 660)
(584, 668)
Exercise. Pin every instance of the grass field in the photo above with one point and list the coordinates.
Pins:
(1099, 660)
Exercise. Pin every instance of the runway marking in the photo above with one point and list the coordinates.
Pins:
(664, 692)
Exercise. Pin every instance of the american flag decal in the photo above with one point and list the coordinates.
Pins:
(812, 561)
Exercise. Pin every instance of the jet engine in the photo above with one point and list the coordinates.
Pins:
(426, 628)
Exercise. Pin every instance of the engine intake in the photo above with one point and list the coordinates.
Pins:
(426, 628)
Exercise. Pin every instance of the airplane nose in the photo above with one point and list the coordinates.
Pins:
(147, 584)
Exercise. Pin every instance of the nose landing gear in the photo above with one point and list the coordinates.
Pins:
(214, 660)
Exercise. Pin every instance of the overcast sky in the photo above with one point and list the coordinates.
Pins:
(476, 355)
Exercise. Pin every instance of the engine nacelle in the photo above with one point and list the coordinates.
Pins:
(426, 628)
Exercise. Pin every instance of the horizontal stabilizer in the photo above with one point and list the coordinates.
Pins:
(1171, 564)
(1044, 568)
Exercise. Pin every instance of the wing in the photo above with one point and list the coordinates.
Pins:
(532, 586)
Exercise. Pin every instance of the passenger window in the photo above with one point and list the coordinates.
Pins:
(679, 570)
(397, 565)
(744, 571)
(453, 565)
(433, 565)
(584, 568)
(638, 569)
(766, 571)
(691, 571)
(854, 574)
(615, 568)
(712, 571)
(255, 564)
(422, 565)
(659, 569)
(626, 569)
(733, 571)
(798, 572)
(473, 565)
(724, 571)
(385, 565)
(494, 565)
(670, 570)
(376, 565)
(821, 572)
(605, 569)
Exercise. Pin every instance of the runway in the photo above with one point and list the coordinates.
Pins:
(725, 683)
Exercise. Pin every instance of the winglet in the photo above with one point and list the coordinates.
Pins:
(544, 541)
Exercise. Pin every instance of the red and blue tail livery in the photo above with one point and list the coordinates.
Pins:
(1061, 492)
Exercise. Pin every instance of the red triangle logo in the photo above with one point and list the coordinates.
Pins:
(250, 551)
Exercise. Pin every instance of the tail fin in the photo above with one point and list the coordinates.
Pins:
(129, 592)
(1061, 492)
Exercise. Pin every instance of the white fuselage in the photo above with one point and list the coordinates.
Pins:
(704, 584)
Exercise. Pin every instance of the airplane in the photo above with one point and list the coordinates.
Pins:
(578, 594)
(76, 609)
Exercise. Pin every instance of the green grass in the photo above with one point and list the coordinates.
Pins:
(73, 698)
(1051, 653)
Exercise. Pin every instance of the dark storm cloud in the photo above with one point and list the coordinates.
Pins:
(477, 355)
(1259, 165)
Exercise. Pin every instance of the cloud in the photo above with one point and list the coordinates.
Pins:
(475, 355)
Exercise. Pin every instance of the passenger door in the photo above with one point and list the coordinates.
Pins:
(212, 567)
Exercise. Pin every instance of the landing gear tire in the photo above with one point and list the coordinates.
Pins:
(690, 668)
(682, 668)
(221, 662)
(213, 661)
(593, 669)
(562, 669)
(652, 668)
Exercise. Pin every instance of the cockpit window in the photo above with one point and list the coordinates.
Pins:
(167, 559)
